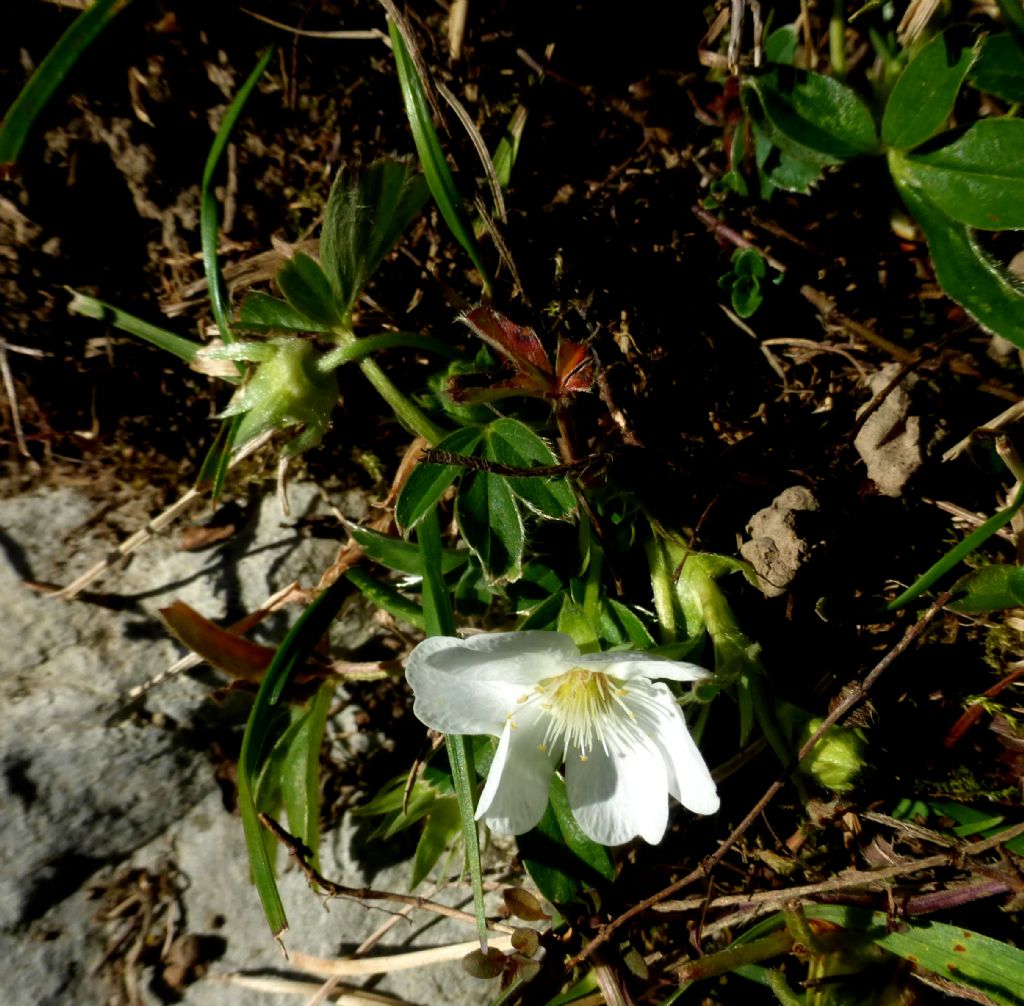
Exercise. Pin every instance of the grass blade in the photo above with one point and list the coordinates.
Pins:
(432, 159)
(49, 75)
(437, 609)
(974, 540)
(290, 657)
(90, 307)
(208, 206)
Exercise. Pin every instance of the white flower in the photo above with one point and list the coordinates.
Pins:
(622, 736)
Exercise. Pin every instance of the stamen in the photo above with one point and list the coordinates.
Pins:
(585, 708)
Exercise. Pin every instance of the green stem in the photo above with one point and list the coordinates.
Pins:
(440, 621)
(837, 40)
(662, 589)
(407, 412)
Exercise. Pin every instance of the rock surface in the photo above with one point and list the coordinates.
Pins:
(782, 539)
(110, 814)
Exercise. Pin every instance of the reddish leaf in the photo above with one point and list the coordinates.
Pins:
(575, 370)
(519, 345)
(235, 655)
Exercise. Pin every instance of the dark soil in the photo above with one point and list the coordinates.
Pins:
(624, 136)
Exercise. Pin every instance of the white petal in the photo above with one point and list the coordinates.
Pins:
(619, 794)
(627, 664)
(471, 686)
(516, 793)
(661, 719)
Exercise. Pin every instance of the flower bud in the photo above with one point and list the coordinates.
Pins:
(287, 389)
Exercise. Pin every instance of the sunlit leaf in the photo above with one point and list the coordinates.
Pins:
(90, 307)
(432, 159)
(208, 223)
(964, 270)
(288, 660)
(402, 556)
(428, 482)
(922, 99)
(978, 178)
(365, 216)
(510, 442)
(490, 523)
(809, 115)
(989, 589)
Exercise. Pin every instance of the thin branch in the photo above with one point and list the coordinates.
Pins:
(300, 854)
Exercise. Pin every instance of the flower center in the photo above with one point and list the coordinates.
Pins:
(583, 708)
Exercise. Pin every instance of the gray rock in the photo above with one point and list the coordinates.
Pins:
(889, 442)
(111, 815)
(781, 539)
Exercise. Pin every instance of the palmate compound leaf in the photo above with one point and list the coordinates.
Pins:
(510, 442)
(966, 273)
(810, 116)
(364, 218)
(428, 482)
(489, 520)
(922, 98)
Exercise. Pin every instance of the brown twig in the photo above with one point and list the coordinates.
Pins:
(919, 904)
(300, 854)
(853, 695)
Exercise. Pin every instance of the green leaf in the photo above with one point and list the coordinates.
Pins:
(208, 225)
(971, 821)
(432, 785)
(300, 770)
(387, 598)
(363, 220)
(636, 632)
(561, 864)
(432, 159)
(780, 169)
(214, 469)
(428, 482)
(307, 290)
(978, 178)
(922, 99)
(746, 296)
(50, 74)
(90, 307)
(442, 829)
(809, 115)
(990, 588)
(402, 556)
(999, 69)
(1013, 15)
(290, 657)
(965, 958)
(780, 45)
(263, 313)
(965, 272)
(490, 523)
(510, 442)
(956, 555)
